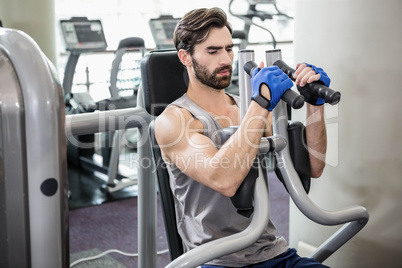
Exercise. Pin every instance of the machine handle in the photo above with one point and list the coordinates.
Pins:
(291, 97)
(329, 95)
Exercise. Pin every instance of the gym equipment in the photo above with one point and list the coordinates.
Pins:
(293, 99)
(355, 217)
(111, 120)
(162, 29)
(33, 171)
(120, 99)
(35, 224)
(243, 35)
(126, 45)
(86, 36)
(252, 12)
(80, 35)
(316, 88)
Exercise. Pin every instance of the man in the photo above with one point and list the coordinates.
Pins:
(204, 173)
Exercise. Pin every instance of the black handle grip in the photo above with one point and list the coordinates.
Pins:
(329, 95)
(249, 67)
(291, 97)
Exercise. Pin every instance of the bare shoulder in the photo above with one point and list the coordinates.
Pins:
(167, 123)
(172, 124)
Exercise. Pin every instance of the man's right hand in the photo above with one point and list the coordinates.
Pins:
(276, 81)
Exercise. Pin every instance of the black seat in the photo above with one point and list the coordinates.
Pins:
(161, 86)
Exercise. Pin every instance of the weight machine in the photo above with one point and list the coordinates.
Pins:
(252, 12)
(87, 36)
(33, 184)
(354, 218)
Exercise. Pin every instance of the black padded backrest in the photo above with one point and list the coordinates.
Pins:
(163, 80)
(167, 201)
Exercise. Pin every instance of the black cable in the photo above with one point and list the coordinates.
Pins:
(280, 13)
(250, 22)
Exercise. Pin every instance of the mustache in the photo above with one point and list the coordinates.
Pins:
(223, 68)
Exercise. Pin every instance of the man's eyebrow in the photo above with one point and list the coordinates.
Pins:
(219, 47)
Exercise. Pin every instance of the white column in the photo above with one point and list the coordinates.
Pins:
(358, 43)
(34, 17)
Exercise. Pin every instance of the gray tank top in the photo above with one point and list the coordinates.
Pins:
(204, 215)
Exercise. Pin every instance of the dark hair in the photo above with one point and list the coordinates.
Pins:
(194, 27)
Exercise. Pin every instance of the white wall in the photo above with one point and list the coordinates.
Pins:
(36, 18)
(359, 44)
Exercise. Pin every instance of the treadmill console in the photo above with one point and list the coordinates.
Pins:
(81, 34)
(162, 29)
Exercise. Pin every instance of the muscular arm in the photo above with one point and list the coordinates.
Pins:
(268, 126)
(316, 137)
(316, 134)
(224, 169)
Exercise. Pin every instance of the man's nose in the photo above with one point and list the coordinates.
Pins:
(226, 58)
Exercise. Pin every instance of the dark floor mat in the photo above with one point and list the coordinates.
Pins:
(87, 188)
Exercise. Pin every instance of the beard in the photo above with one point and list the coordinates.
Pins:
(212, 80)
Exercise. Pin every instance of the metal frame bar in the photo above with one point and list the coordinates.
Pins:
(101, 121)
(15, 246)
(44, 136)
(356, 217)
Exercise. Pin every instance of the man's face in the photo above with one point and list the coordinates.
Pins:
(212, 59)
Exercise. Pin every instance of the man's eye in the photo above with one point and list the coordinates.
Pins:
(212, 52)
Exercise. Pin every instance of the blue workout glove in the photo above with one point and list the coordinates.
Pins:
(324, 79)
(276, 80)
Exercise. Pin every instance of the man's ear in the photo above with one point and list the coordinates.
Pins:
(185, 57)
